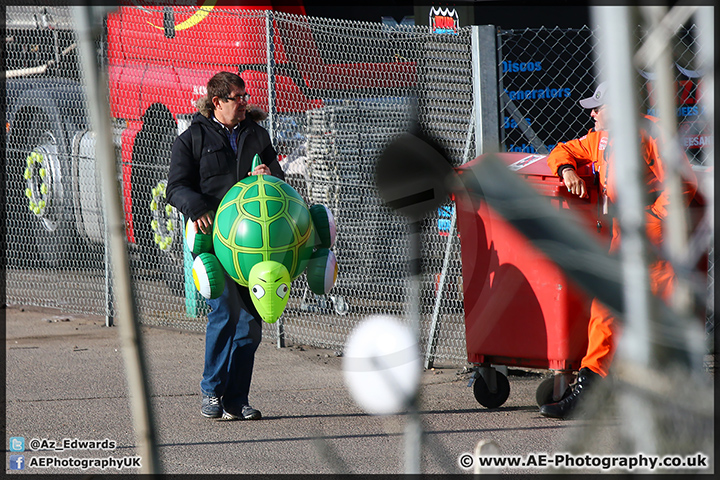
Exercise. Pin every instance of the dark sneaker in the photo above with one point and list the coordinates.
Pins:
(245, 413)
(211, 407)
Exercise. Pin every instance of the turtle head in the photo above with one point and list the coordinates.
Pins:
(269, 284)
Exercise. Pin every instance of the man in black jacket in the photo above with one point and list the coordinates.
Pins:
(199, 177)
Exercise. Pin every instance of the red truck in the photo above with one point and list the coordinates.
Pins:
(159, 59)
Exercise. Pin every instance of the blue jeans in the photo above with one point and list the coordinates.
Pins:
(233, 335)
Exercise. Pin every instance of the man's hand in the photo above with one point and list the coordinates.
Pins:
(261, 169)
(574, 183)
(204, 223)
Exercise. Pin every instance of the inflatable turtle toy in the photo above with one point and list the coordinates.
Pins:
(264, 237)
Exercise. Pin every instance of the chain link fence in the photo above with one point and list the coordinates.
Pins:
(336, 93)
(545, 71)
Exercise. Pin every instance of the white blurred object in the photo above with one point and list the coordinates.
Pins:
(486, 448)
(382, 365)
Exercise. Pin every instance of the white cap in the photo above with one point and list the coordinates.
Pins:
(597, 99)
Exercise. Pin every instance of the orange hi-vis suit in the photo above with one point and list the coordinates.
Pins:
(595, 148)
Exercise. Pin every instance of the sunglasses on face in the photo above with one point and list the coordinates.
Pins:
(244, 97)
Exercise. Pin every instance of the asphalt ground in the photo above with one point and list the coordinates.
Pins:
(65, 379)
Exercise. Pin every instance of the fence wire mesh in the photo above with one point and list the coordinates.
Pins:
(336, 92)
(535, 119)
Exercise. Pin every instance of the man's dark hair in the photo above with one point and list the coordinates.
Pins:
(221, 83)
(218, 86)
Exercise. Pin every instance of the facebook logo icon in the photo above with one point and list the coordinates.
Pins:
(17, 462)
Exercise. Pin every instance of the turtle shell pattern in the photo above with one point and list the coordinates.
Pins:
(262, 218)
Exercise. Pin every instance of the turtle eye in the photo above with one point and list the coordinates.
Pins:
(282, 290)
(258, 291)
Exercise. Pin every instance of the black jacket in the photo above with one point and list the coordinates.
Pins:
(196, 187)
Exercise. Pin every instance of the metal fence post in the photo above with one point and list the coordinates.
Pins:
(484, 124)
(270, 50)
(434, 324)
(96, 81)
(656, 52)
(485, 89)
(635, 347)
(413, 426)
(705, 17)
(109, 318)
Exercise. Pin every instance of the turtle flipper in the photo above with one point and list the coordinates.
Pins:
(208, 275)
(324, 224)
(322, 271)
(196, 241)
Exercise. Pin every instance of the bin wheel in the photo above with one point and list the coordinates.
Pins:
(488, 399)
(544, 392)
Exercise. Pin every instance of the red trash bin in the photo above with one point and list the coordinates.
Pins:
(520, 308)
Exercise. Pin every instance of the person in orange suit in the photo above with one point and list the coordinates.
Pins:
(596, 148)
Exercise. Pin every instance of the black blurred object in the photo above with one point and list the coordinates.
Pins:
(413, 174)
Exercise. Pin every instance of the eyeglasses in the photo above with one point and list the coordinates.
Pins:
(597, 109)
(244, 97)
